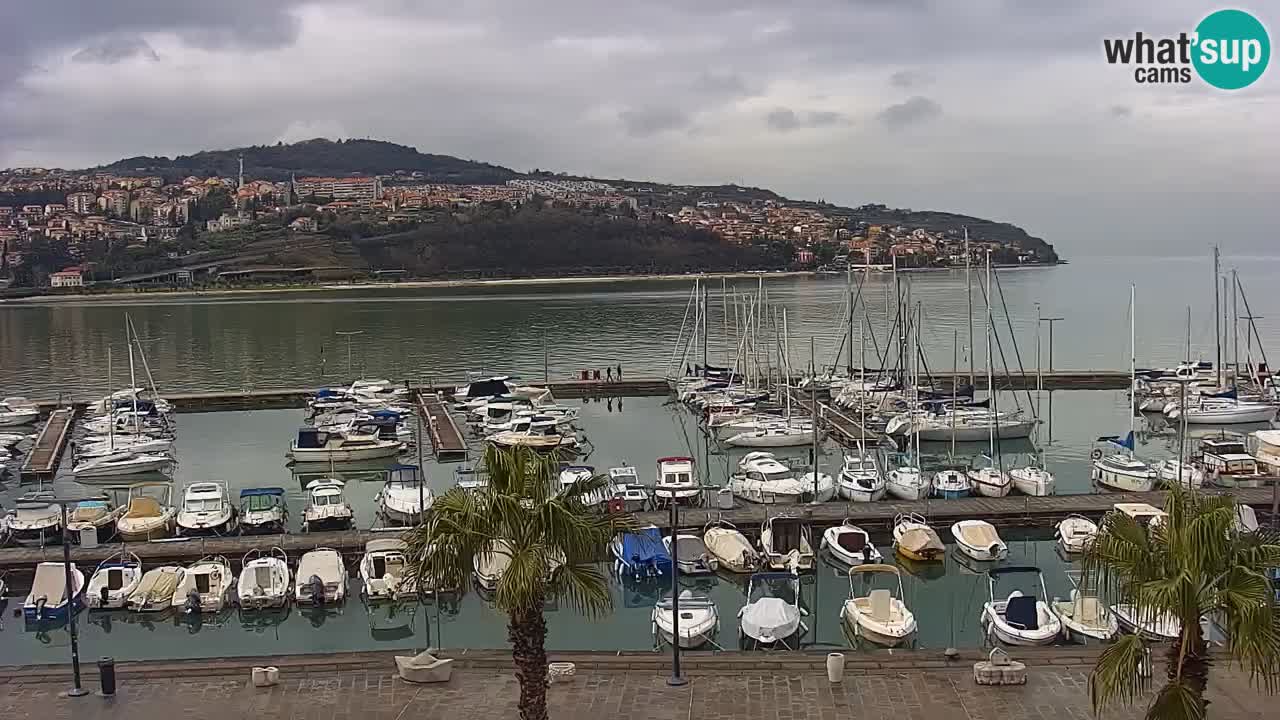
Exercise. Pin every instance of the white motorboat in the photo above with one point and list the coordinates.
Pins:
(915, 540)
(484, 387)
(979, 540)
(818, 486)
(16, 411)
(772, 613)
(1085, 617)
(990, 481)
(114, 582)
(264, 580)
(314, 445)
(147, 517)
(762, 479)
(1075, 533)
(1145, 515)
(962, 424)
(774, 436)
(640, 554)
(1020, 619)
(691, 555)
(206, 587)
(849, 544)
(121, 464)
(156, 589)
(784, 542)
(1222, 411)
(207, 509)
(1226, 463)
(1032, 480)
(627, 488)
(383, 571)
(1157, 627)
(139, 444)
(730, 547)
(321, 578)
(860, 478)
(950, 483)
(1123, 472)
(907, 483)
(405, 496)
(1177, 472)
(263, 510)
(101, 515)
(878, 616)
(676, 481)
(1266, 447)
(11, 440)
(35, 519)
(327, 508)
(48, 599)
(489, 565)
(699, 620)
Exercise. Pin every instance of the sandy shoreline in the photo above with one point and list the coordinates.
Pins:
(434, 284)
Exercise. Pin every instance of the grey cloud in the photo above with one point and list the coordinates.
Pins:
(114, 49)
(909, 79)
(1120, 111)
(914, 111)
(651, 121)
(786, 119)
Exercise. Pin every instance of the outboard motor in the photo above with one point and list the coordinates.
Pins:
(40, 603)
(994, 550)
(317, 590)
(192, 605)
(104, 596)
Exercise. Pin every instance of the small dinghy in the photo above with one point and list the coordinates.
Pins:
(264, 580)
(849, 544)
(321, 578)
(1084, 617)
(206, 510)
(1075, 533)
(771, 616)
(878, 616)
(640, 555)
(979, 540)
(1019, 619)
(48, 597)
(950, 484)
(730, 547)
(699, 620)
(206, 587)
(115, 580)
(155, 591)
(382, 570)
(785, 544)
(691, 555)
(915, 540)
(1160, 627)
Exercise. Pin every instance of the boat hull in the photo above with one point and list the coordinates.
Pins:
(907, 492)
(306, 455)
(1123, 481)
(123, 471)
(860, 628)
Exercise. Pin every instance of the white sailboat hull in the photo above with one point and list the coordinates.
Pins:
(1141, 481)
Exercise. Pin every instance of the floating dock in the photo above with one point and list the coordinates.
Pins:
(45, 455)
(1006, 512)
(447, 442)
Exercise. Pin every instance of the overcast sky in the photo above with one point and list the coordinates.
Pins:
(999, 108)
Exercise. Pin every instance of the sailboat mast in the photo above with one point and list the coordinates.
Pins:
(968, 293)
(849, 282)
(813, 395)
(133, 382)
(991, 385)
(862, 388)
(1217, 318)
(955, 351)
(1133, 355)
(1235, 331)
(786, 362)
(111, 406)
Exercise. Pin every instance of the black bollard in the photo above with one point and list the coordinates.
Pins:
(107, 675)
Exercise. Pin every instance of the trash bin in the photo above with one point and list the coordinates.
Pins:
(724, 499)
(107, 675)
(88, 537)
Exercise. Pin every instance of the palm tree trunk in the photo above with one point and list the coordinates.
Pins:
(527, 632)
(1195, 664)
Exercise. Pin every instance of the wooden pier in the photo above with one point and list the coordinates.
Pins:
(447, 442)
(1006, 512)
(43, 459)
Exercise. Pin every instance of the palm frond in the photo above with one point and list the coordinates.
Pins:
(1116, 675)
(1176, 701)
(585, 589)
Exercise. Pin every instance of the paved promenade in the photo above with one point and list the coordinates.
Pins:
(720, 688)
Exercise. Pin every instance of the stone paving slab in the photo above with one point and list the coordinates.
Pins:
(1051, 693)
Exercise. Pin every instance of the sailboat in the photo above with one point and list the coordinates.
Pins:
(1120, 470)
(991, 480)
(907, 482)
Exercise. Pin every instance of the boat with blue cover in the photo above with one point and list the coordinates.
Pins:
(640, 554)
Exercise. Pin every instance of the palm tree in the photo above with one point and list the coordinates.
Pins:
(1190, 565)
(554, 544)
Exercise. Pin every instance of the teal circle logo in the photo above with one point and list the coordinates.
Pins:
(1231, 49)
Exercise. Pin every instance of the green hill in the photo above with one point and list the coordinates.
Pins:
(317, 157)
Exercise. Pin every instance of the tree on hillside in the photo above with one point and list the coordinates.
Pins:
(552, 542)
(1193, 565)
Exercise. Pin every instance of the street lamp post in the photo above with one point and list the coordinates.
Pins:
(676, 679)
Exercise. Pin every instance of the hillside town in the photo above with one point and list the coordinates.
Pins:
(71, 212)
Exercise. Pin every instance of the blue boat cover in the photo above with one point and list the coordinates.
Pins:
(385, 414)
(251, 492)
(326, 393)
(645, 548)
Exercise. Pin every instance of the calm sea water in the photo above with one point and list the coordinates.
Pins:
(290, 340)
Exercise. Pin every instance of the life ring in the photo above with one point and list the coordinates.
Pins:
(1096, 454)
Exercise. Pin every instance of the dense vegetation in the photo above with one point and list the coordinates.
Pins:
(533, 240)
(316, 157)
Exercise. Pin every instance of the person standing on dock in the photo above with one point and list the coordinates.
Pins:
(608, 373)
(619, 372)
